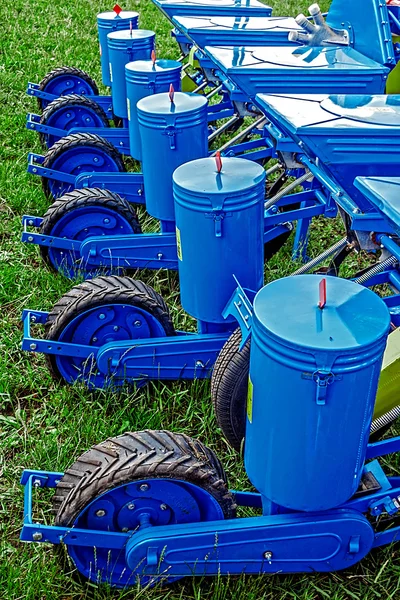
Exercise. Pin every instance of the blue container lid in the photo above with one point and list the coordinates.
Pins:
(232, 187)
(147, 66)
(287, 309)
(160, 104)
(127, 34)
(126, 15)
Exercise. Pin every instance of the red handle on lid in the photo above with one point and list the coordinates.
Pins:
(171, 92)
(218, 161)
(322, 293)
(117, 9)
(153, 57)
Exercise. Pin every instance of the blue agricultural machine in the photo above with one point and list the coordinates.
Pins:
(154, 506)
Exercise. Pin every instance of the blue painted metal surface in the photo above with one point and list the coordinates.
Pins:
(211, 8)
(384, 194)
(313, 367)
(219, 227)
(236, 30)
(146, 78)
(307, 70)
(123, 47)
(172, 133)
(343, 132)
(106, 23)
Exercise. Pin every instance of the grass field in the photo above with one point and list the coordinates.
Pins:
(45, 425)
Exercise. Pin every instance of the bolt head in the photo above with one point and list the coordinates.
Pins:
(116, 328)
(37, 536)
(30, 238)
(100, 513)
(95, 159)
(34, 170)
(94, 340)
(30, 222)
(268, 555)
(131, 506)
(33, 346)
(33, 318)
(37, 483)
(144, 487)
(138, 323)
(102, 316)
(68, 115)
(163, 507)
(106, 220)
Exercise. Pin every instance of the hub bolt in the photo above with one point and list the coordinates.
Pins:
(37, 536)
(68, 115)
(144, 487)
(163, 507)
(100, 513)
(102, 316)
(95, 159)
(268, 555)
(94, 340)
(138, 323)
(106, 220)
(116, 328)
(131, 506)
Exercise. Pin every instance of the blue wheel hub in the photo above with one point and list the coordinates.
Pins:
(80, 224)
(75, 161)
(70, 117)
(97, 327)
(68, 84)
(130, 508)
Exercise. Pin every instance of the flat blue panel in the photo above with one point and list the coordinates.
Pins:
(213, 7)
(384, 193)
(236, 31)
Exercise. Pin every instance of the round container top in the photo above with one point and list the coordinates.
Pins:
(127, 34)
(201, 182)
(147, 66)
(106, 17)
(161, 104)
(353, 317)
(376, 110)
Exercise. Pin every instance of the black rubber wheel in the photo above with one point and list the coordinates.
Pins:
(72, 143)
(87, 199)
(62, 104)
(60, 73)
(229, 385)
(120, 461)
(94, 294)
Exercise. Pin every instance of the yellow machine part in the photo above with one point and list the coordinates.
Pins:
(388, 395)
(393, 82)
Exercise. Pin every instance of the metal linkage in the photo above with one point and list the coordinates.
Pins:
(240, 135)
(306, 177)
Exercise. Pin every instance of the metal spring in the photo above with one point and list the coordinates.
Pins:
(385, 419)
(378, 268)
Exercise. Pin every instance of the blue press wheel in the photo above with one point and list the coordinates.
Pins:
(81, 214)
(79, 153)
(67, 80)
(171, 477)
(229, 385)
(72, 111)
(100, 311)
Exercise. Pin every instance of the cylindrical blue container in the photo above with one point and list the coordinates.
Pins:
(313, 379)
(171, 133)
(219, 229)
(123, 47)
(145, 78)
(106, 23)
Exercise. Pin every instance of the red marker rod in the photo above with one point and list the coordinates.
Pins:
(322, 293)
(153, 57)
(117, 9)
(218, 161)
(171, 93)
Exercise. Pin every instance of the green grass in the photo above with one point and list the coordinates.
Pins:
(45, 425)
